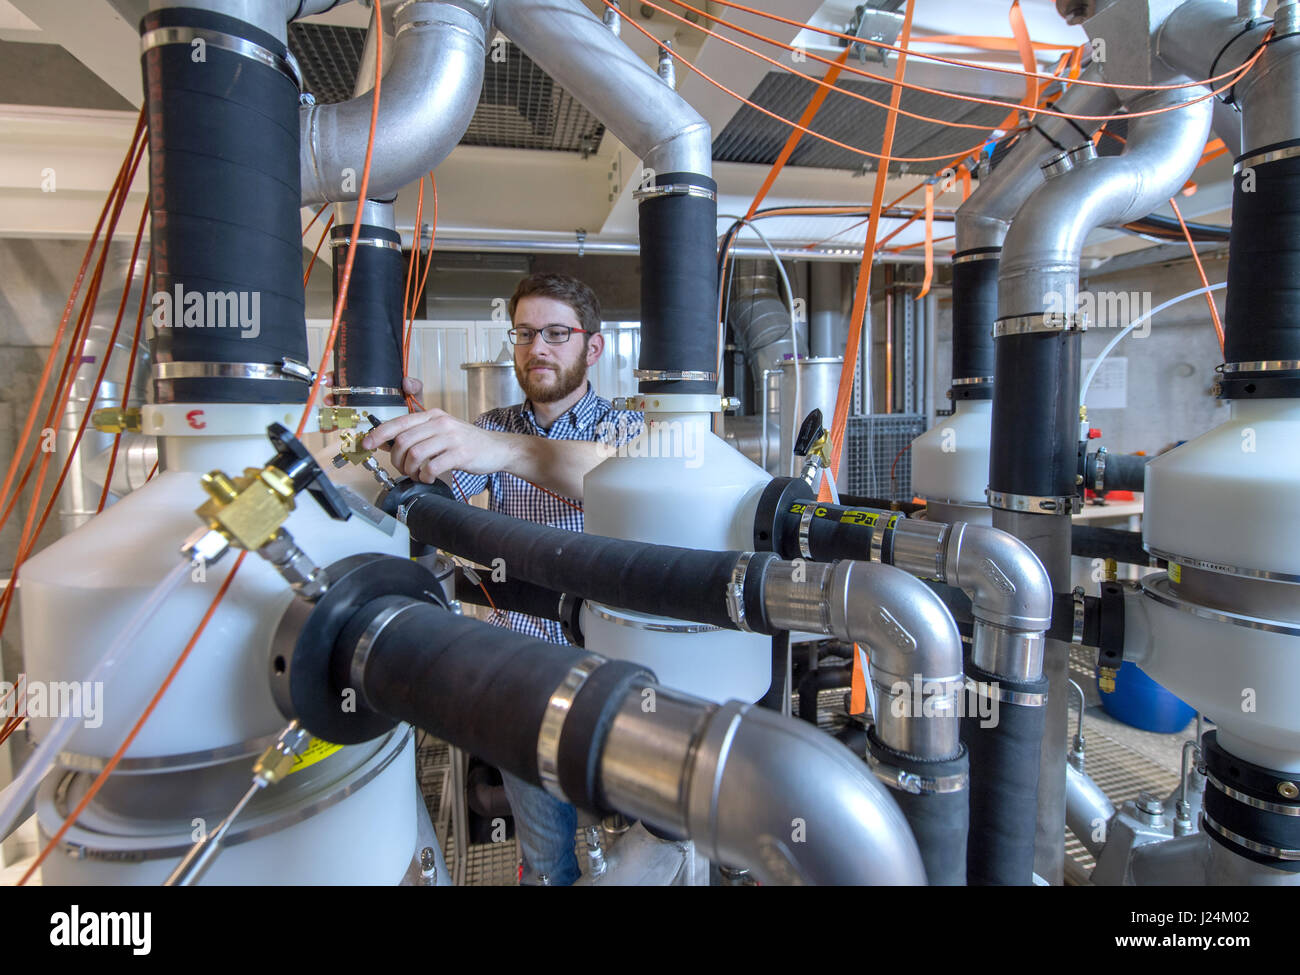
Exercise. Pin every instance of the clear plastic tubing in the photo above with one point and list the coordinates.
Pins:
(13, 798)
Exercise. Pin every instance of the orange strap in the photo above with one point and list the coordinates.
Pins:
(1027, 60)
(863, 289)
(981, 42)
(929, 241)
(858, 684)
(805, 120)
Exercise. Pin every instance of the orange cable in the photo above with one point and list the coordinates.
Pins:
(814, 104)
(346, 279)
(903, 50)
(306, 276)
(315, 217)
(130, 371)
(1200, 269)
(29, 424)
(862, 291)
(112, 763)
(929, 241)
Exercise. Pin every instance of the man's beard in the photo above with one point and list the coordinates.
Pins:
(566, 381)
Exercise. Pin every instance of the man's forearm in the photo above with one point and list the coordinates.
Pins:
(557, 465)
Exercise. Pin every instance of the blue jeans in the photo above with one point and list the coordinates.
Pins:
(545, 827)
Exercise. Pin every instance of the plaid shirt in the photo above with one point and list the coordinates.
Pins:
(591, 418)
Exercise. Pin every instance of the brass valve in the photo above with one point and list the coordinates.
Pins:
(350, 448)
(115, 419)
(338, 418)
(248, 510)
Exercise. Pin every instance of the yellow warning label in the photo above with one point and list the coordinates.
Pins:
(1175, 572)
(313, 753)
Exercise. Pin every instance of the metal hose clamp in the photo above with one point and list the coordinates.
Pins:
(284, 62)
(911, 782)
(1042, 322)
(391, 245)
(365, 391)
(992, 690)
(285, 369)
(1033, 503)
(805, 526)
(366, 643)
(1099, 468)
(1076, 636)
(670, 375)
(557, 710)
(1280, 853)
(674, 189)
(736, 592)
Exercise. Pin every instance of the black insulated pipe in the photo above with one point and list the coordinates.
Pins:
(1003, 776)
(512, 595)
(368, 348)
(1120, 472)
(1265, 811)
(662, 580)
(940, 820)
(794, 525)
(455, 677)
(679, 285)
(974, 309)
(1262, 316)
(1037, 376)
(224, 199)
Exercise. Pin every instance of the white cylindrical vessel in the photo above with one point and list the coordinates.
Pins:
(349, 819)
(678, 484)
(1223, 505)
(79, 592)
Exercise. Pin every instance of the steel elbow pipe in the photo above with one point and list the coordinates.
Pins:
(756, 789)
(1043, 248)
(611, 81)
(428, 97)
(915, 647)
(982, 221)
(1005, 580)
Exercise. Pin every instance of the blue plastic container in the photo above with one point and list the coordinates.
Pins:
(1141, 702)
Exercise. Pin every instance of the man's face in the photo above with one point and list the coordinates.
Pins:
(548, 373)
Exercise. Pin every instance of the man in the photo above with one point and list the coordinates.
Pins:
(532, 458)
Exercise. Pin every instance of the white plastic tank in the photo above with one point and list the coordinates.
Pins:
(1227, 500)
(678, 484)
(950, 461)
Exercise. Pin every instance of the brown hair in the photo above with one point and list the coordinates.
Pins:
(561, 287)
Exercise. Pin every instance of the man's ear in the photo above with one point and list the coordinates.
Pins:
(595, 346)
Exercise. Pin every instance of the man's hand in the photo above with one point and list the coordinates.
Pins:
(426, 445)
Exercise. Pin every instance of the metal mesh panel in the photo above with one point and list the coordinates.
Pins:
(753, 137)
(875, 444)
(519, 106)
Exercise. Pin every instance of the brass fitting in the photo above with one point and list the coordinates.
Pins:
(350, 448)
(115, 419)
(338, 418)
(248, 510)
(278, 760)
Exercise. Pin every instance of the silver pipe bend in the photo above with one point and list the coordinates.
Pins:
(1005, 580)
(429, 94)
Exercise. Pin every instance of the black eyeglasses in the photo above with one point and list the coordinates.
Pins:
(551, 334)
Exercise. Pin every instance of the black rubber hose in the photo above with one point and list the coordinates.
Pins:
(664, 580)
(1167, 228)
(834, 531)
(974, 309)
(679, 284)
(1004, 781)
(513, 595)
(1123, 472)
(1259, 813)
(368, 348)
(456, 677)
(1262, 316)
(815, 681)
(224, 198)
(1090, 542)
(939, 820)
(1037, 376)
